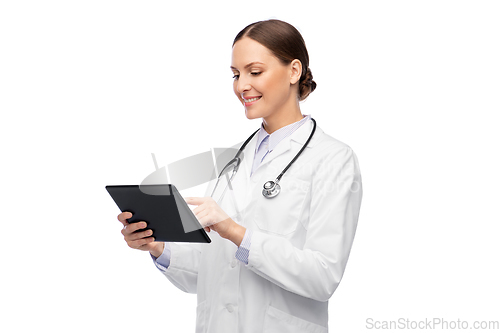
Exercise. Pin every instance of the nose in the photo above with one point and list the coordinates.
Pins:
(242, 85)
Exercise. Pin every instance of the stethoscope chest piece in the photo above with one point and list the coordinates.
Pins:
(271, 189)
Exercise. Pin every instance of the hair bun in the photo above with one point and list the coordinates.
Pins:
(306, 85)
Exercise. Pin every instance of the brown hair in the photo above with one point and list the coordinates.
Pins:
(286, 43)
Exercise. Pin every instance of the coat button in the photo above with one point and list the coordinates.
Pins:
(234, 263)
(230, 308)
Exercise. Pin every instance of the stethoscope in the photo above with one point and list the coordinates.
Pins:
(270, 188)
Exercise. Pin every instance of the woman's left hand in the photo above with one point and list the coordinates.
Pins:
(211, 216)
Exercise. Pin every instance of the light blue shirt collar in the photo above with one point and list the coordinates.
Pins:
(278, 135)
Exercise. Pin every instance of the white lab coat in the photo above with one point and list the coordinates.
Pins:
(299, 248)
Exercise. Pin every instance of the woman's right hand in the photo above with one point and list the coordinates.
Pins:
(141, 240)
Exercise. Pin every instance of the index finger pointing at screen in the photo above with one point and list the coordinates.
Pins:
(195, 200)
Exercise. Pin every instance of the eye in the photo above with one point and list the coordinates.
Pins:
(256, 73)
(236, 76)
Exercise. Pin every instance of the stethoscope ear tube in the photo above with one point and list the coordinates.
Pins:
(236, 161)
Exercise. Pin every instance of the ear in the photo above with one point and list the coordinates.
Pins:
(295, 71)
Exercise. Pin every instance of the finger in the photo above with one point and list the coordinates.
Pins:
(206, 221)
(133, 227)
(138, 235)
(195, 200)
(141, 242)
(147, 246)
(122, 217)
(201, 215)
(207, 229)
(199, 209)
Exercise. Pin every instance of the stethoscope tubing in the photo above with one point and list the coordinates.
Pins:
(271, 188)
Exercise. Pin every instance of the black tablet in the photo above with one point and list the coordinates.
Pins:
(163, 209)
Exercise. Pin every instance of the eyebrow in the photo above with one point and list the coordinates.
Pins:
(249, 65)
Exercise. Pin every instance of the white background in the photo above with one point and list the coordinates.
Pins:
(89, 89)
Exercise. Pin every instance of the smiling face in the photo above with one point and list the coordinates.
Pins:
(265, 86)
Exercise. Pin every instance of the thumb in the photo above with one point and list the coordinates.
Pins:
(124, 216)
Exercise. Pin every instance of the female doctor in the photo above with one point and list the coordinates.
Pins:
(275, 258)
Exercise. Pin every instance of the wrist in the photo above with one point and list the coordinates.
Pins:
(237, 233)
(157, 250)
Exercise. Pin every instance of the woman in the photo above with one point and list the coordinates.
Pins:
(274, 262)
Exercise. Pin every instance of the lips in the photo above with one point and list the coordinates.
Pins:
(249, 100)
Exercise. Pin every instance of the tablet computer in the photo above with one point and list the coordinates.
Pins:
(163, 209)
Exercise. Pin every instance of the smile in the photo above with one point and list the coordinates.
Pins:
(250, 101)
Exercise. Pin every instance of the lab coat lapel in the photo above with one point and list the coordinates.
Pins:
(249, 154)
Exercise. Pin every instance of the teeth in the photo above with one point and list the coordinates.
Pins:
(251, 100)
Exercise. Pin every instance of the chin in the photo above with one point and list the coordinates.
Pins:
(252, 114)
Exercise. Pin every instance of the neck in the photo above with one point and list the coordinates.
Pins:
(276, 121)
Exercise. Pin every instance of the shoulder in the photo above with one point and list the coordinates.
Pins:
(328, 147)
(334, 161)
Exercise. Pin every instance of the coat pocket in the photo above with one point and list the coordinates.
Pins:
(201, 317)
(277, 321)
(280, 215)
